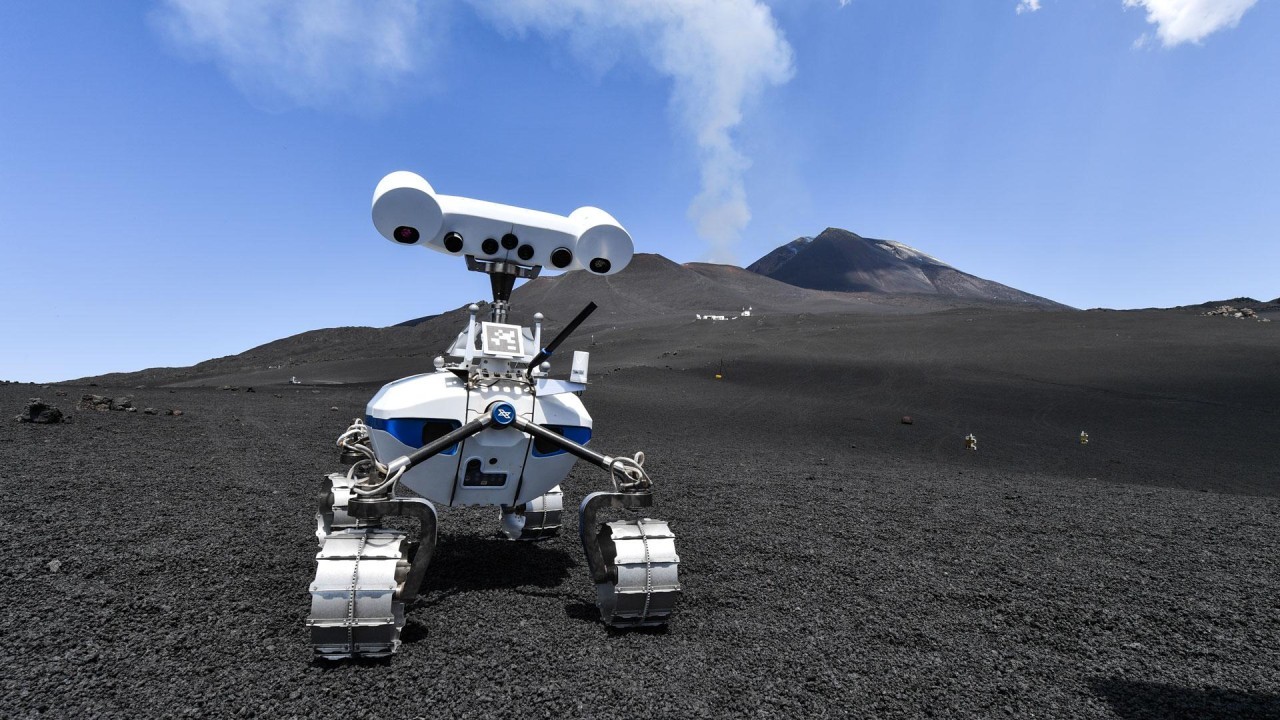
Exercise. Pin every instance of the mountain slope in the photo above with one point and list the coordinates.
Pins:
(838, 260)
(652, 291)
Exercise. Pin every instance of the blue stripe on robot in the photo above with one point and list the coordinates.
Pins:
(576, 433)
(409, 430)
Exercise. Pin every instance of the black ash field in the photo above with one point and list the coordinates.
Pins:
(836, 561)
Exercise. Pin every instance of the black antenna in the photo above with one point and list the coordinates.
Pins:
(568, 330)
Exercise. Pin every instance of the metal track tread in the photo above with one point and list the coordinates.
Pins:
(642, 553)
(355, 606)
(539, 519)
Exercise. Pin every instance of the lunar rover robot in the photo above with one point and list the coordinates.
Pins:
(488, 426)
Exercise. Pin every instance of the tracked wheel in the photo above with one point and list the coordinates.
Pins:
(356, 606)
(643, 568)
(537, 519)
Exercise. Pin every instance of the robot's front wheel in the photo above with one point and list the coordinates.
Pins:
(643, 569)
(537, 519)
(356, 608)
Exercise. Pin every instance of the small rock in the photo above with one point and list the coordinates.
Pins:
(276, 395)
(94, 402)
(250, 389)
(131, 409)
(54, 565)
(148, 411)
(122, 403)
(334, 408)
(177, 412)
(906, 420)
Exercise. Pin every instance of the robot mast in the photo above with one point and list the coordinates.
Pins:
(502, 280)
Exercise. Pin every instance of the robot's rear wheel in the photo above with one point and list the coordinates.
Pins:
(643, 568)
(537, 519)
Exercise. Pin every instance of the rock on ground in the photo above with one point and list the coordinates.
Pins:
(39, 412)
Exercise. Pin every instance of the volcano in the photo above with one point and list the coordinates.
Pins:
(842, 261)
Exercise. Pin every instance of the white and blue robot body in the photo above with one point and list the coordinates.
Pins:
(501, 466)
(487, 427)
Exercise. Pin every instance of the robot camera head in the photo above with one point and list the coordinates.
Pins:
(407, 211)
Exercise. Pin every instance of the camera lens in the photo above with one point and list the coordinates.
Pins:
(525, 252)
(561, 257)
(489, 246)
(453, 242)
(510, 241)
(600, 265)
(405, 234)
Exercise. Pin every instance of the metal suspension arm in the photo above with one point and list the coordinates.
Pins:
(418, 508)
(599, 460)
(637, 481)
(435, 447)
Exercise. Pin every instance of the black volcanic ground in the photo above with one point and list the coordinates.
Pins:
(836, 562)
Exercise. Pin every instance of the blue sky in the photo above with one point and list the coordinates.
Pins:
(184, 180)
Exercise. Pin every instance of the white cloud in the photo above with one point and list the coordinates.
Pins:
(1028, 6)
(300, 52)
(1180, 21)
(720, 55)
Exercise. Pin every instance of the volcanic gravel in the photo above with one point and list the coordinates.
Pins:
(835, 563)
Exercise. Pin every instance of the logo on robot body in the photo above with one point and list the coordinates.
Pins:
(503, 414)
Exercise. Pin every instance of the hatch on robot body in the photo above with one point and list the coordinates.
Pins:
(491, 463)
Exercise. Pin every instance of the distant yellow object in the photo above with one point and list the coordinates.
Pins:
(718, 377)
(1084, 438)
(971, 442)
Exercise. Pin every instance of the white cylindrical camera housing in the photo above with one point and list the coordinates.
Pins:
(604, 247)
(405, 210)
(408, 211)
